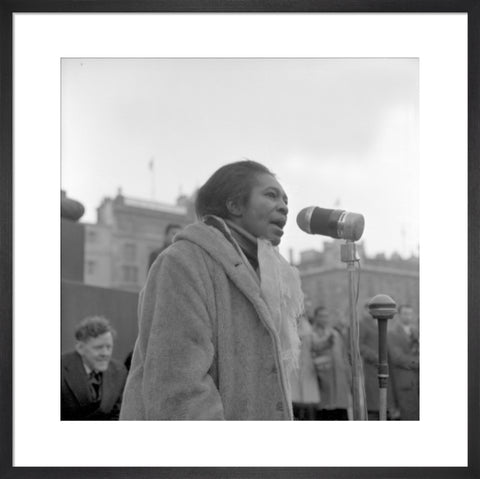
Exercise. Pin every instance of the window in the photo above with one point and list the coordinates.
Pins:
(129, 251)
(130, 274)
(91, 266)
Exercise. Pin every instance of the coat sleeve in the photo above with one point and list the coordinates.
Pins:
(176, 317)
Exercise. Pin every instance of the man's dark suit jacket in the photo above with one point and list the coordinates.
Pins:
(404, 356)
(77, 404)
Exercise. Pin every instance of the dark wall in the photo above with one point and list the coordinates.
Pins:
(72, 249)
(79, 300)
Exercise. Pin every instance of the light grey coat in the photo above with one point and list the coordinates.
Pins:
(206, 348)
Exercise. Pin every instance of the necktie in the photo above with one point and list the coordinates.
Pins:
(95, 381)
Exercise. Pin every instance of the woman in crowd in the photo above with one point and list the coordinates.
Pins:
(331, 362)
(218, 313)
(304, 380)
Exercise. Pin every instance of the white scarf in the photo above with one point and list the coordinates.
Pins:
(280, 286)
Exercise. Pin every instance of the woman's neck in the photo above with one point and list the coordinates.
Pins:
(246, 241)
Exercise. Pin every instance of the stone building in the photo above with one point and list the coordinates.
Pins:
(79, 300)
(127, 231)
(325, 280)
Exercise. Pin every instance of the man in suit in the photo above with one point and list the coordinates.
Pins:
(92, 382)
(403, 345)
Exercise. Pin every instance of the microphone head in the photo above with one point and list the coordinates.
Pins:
(382, 306)
(338, 224)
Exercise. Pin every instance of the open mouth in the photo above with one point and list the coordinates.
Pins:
(280, 223)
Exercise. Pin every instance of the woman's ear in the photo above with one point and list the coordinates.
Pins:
(234, 208)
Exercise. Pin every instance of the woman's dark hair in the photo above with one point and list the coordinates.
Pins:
(232, 182)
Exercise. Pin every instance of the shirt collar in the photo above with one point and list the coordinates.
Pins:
(88, 370)
(246, 241)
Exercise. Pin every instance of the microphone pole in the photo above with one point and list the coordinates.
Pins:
(382, 308)
(340, 224)
(348, 255)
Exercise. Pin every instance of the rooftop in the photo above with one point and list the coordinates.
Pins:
(154, 205)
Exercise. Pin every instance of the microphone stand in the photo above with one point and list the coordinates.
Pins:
(382, 308)
(348, 254)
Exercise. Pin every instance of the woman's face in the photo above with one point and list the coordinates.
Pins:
(265, 213)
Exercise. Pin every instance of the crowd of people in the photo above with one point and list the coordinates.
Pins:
(223, 332)
(323, 384)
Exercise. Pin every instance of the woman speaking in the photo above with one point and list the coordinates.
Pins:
(218, 313)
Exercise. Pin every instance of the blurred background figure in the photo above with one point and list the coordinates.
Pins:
(170, 231)
(92, 382)
(403, 344)
(333, 370)
(369, 352)
(304, 381)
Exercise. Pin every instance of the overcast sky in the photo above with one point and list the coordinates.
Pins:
(337, 133)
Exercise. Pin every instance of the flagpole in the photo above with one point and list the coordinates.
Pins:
(151, 166)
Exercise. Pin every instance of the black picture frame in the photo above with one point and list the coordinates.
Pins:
(471, 7)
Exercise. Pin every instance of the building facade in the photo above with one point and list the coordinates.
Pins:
(325, 279)
(127, 231)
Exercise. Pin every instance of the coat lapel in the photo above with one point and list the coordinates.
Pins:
(237, 267)
(76, 378)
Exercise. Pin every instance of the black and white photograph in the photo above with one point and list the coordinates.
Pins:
(220, 195)
(242, 243)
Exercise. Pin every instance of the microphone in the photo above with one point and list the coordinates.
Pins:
(382, 307)
(339, 224)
